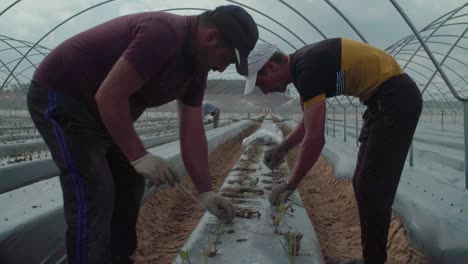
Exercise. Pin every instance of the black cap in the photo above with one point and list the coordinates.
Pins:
(239, 31)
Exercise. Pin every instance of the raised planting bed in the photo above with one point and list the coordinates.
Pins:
(260, 233)
(31, 167)
(32, 216)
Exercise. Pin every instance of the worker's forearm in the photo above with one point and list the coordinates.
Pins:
(308, 155)
(116, 118)
(294, 138)
(194, 151)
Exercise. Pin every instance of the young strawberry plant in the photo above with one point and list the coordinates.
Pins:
(185, 257)
(277, 215)
(292, 245)
(211, 248)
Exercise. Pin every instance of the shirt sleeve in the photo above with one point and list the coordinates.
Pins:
(313, 100)
(310, 85)
(195, 91)
(151, 47)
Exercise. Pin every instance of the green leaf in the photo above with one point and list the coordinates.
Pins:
(254, 182)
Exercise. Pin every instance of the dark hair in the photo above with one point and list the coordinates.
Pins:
(278, 57)
(206, 19)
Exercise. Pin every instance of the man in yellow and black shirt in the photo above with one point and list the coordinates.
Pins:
(335, 67)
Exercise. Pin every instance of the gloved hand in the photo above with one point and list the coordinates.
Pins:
(273, 157)
(217, 205)
(280, 193)
(156, 169)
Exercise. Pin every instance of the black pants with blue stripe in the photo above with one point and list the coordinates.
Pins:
(389, 125)
(101, 190)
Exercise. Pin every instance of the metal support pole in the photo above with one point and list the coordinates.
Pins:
(428, 37)
(438, 66)
(465, 119)
(344, 121)
(8, 7)
(357, 128)
(305, 18)
(48, 33)
(442, 121)
(411, 160)
(338, 11)
(428, 51)
(326, 121)
(334, 120)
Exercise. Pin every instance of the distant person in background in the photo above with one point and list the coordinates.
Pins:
(213, 110)
(89, 90)
(336, 67)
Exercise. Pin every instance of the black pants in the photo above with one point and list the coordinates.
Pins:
(215, 115)
(101, 190)
(389, 124)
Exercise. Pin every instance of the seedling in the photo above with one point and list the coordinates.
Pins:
(292, 244)
(209, 251)
(218, 234)
(254, 182)
(280, 212)
(185, 257)
(211, 248)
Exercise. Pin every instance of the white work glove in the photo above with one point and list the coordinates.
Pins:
(280, 193)
(219, 206)
(156, 169)
(273, 157)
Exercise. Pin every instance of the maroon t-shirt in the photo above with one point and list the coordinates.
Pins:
(158, 45)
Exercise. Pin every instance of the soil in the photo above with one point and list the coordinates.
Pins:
(331, 206)
(167, 219)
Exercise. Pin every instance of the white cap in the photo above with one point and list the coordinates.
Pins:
(257, 59)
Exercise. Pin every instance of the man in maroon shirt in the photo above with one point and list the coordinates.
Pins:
(87, 92)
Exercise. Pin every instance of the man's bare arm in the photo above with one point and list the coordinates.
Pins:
(313, 142)
(194, 147)
(294, 138)
(112, 99)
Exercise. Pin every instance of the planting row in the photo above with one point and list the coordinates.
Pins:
(260, 233)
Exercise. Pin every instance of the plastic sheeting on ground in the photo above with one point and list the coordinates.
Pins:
(19, 175)
(32, 224)
(431, 200)
(268, 134)
(252, 237)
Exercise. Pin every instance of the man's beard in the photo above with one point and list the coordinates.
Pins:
(202, 58)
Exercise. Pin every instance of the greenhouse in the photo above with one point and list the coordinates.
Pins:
(129, 133)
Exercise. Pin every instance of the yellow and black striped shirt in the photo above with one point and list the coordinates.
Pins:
(340, 66)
